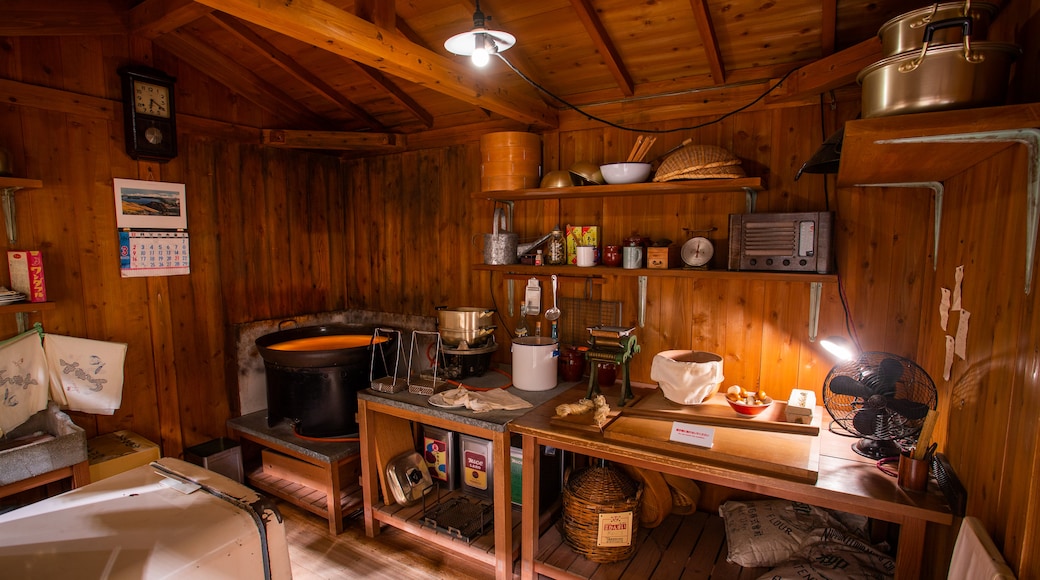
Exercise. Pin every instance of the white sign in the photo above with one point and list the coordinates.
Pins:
(698, 435)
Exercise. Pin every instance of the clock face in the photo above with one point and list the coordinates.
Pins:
(151, 99)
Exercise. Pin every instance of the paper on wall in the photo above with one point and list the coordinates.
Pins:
(958, 276)
(23, 380)
(961, 342)
(944, 307)
(948, 363)
(86, 375)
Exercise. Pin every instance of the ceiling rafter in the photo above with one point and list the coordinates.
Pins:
(153, 18)
(836, 70)
(235, 76)
(285, 62)
(594, 26)
(709, 40)
(323, 25)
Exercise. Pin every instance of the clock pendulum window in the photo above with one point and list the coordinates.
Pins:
(148, 113)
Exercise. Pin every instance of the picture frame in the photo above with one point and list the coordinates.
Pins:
(150, 204)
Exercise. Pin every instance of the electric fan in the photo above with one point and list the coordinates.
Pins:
(880, 397)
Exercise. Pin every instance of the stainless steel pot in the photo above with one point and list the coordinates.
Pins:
(906, 31)
(465, 317)
(453, 338)
(939, 78)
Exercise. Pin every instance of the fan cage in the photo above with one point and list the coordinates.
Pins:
(913, 385)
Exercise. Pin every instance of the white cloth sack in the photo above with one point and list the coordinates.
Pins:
(86, 375)
(687, 377)
(23, 380)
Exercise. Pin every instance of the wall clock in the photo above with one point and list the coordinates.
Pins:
(148, 114)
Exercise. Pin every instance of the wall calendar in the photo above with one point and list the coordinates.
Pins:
(152, 221)
(153, 253)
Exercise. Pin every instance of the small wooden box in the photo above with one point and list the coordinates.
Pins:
(663, 258)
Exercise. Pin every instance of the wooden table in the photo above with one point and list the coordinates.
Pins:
(846, 482)
(386, 422)
(326, 484)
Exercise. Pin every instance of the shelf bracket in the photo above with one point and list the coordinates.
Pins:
(815, 292)
(1030, 137)
(7, 199)
(642, 301)
(750, 199)
(22, 319)
(938, 188)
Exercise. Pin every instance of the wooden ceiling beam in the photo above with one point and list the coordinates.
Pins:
(594, 26)
(333, 140)
(153, 18)
(236, 77)
(709, 40)
(330, 28)
(62, 18)
(836, 70)
(382, 14)
(285, 62)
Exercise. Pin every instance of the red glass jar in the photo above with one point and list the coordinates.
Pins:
(612, 256)
(606, 373)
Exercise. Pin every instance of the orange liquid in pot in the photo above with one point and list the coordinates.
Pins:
(331, 342)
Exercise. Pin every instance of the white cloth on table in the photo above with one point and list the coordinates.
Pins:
(86, 375)
(480, 401)
(23, 380)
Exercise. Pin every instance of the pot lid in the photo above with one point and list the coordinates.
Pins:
(826, 158)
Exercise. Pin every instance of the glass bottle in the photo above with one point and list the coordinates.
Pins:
(556, 254)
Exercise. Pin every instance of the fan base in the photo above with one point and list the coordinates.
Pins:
(875, 450)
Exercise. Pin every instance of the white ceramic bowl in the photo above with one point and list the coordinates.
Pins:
(618, 173)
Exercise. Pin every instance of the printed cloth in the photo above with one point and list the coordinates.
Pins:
(23, 380)
(85, 375)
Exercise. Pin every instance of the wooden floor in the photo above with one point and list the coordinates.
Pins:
(692, 547)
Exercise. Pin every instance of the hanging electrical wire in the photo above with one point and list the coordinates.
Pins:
(592, 117)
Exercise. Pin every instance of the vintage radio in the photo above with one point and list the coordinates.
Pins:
(781, 242)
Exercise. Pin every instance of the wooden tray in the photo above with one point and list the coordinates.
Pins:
(717, 412)
(584, 422)
(789, 455)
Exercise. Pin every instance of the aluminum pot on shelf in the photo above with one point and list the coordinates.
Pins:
(906, 31)
(939, 78)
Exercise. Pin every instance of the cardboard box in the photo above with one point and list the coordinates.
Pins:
(118, 452)
(663, 258)
(581, 236)
(26, 268)
(800, 406)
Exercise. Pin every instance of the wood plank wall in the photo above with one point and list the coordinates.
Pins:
(276, 233)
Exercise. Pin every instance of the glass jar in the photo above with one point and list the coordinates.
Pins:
(556, 250)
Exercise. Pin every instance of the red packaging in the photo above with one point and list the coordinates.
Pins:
(26, 268)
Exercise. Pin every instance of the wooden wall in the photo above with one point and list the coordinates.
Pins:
(276, 233)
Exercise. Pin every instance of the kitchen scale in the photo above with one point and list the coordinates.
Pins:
(698, 251)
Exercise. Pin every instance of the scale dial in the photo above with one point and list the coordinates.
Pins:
(697, 252)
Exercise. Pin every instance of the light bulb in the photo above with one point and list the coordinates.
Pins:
(480, 53)
(839, 348)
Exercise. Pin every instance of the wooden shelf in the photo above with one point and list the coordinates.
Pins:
(742, 185)
(308, 498)
(410, 519)
(601, 271)
(26, 307)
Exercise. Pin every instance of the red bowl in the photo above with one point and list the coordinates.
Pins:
(750, 410)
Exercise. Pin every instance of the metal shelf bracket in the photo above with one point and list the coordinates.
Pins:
(815, 292)
(750, 199)
(1030, 137)
(7, 199)
(936, 187)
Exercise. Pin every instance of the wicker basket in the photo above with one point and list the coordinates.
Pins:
(692, 158)
(589, 493)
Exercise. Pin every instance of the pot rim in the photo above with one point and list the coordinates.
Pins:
(994, 47)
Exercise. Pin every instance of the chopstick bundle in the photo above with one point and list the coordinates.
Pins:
(640, 149)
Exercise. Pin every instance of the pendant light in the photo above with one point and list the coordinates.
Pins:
(479, 43)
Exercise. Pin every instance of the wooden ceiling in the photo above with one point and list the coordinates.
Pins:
(380, 67)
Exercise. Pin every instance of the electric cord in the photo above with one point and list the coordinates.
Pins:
(592, 117)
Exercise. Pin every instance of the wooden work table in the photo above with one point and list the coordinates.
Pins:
(846, 481)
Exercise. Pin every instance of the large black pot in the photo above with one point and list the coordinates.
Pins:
(314, 374)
